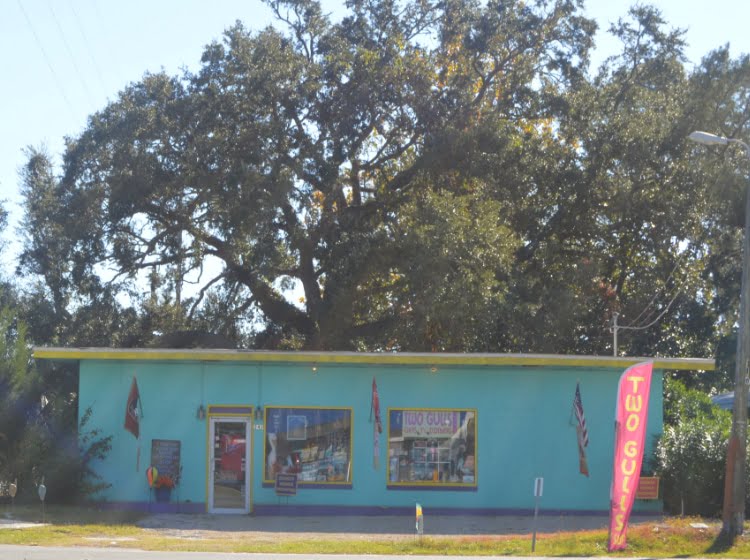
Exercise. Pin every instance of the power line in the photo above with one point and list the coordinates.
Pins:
(47, 60)
(615, 328)
(88, 47)
(659, 316)
(653, 299)
(70, 53)
(114, 60)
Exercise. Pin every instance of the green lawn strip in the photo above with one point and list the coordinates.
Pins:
(67, 535)
(673, 538)
(82, 515)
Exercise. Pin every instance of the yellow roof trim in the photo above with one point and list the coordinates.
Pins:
(427, 359)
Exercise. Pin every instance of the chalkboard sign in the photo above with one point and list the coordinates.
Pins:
(165, 456)
(286, 484)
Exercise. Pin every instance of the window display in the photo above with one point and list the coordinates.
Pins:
(432, 447)
(314, 443)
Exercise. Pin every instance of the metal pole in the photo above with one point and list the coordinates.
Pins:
(614, 329)
(736, 468)
(538, 491)
(734, 495)
(536, 514)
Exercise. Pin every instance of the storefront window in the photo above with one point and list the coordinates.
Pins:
(314, 443)
(432, 447)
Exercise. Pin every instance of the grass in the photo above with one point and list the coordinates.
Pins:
(672, 538)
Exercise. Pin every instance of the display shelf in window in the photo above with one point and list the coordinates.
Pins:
(431, 460)
(432, 447)
(314, 443)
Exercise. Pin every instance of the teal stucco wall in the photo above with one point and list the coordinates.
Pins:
(525, 428)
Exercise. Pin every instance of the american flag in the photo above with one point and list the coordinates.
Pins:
(578, 407)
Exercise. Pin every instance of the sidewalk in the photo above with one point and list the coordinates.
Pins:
(374, 526)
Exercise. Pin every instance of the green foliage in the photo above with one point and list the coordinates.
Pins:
(427, 177)
(299, 156)
(38, 424)
(691, 454)
(441, 293)
(424, 176)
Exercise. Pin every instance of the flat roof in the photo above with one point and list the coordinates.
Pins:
(379, 358)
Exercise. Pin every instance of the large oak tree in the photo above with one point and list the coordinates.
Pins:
(345, 158)
(420, 176)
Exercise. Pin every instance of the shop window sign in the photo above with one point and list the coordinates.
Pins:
(296, 427)
(313, 443)
(432, 447)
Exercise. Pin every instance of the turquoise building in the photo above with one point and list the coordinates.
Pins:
(335, 432)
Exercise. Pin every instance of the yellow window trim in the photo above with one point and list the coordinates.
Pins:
(351, 443)
(427, 483)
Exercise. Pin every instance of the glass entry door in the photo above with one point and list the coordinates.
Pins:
(229, 465)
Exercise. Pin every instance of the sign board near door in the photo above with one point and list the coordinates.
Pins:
(286, 484)
(648, 488)
(165, 456)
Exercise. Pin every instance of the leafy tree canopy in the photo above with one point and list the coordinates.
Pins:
(423, 176)
(314, 156)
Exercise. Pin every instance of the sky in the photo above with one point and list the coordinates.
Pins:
(65, 59)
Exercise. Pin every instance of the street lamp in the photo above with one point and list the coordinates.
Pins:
(734, 493)
(713, 140)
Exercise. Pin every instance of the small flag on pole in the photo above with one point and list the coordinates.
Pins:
(581, 431)
(375, 407)
(132, 412)
(378, 426)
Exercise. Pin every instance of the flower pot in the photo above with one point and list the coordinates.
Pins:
(162, 494)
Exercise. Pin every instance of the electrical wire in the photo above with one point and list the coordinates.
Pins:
(47, 60)
(653, 299)
(659, 316)
(70, 54)
(112, 54)
(630, 327)
(87, 44)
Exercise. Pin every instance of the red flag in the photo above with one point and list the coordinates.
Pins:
(376, 406)
(377, 427)
(132, 409)
(630, 434)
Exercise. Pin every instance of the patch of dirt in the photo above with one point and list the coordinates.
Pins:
(272, 537)
(110, 539)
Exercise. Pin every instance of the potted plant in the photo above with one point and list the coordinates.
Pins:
(163, 487)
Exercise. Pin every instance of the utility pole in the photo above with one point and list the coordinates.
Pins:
(734, 508)
(614, 331)
(742, 370)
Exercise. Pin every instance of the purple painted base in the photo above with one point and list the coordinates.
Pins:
(162, 495)
(313, 486)
(153, 507)
(429, 488)
(161, 507)
(307, 510)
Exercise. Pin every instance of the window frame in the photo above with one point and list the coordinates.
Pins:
(294, 411)
(430, 484)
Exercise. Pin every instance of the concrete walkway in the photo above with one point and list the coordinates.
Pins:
(358, 526)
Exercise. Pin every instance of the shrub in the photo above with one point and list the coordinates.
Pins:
(690, 455)
(38, 425)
